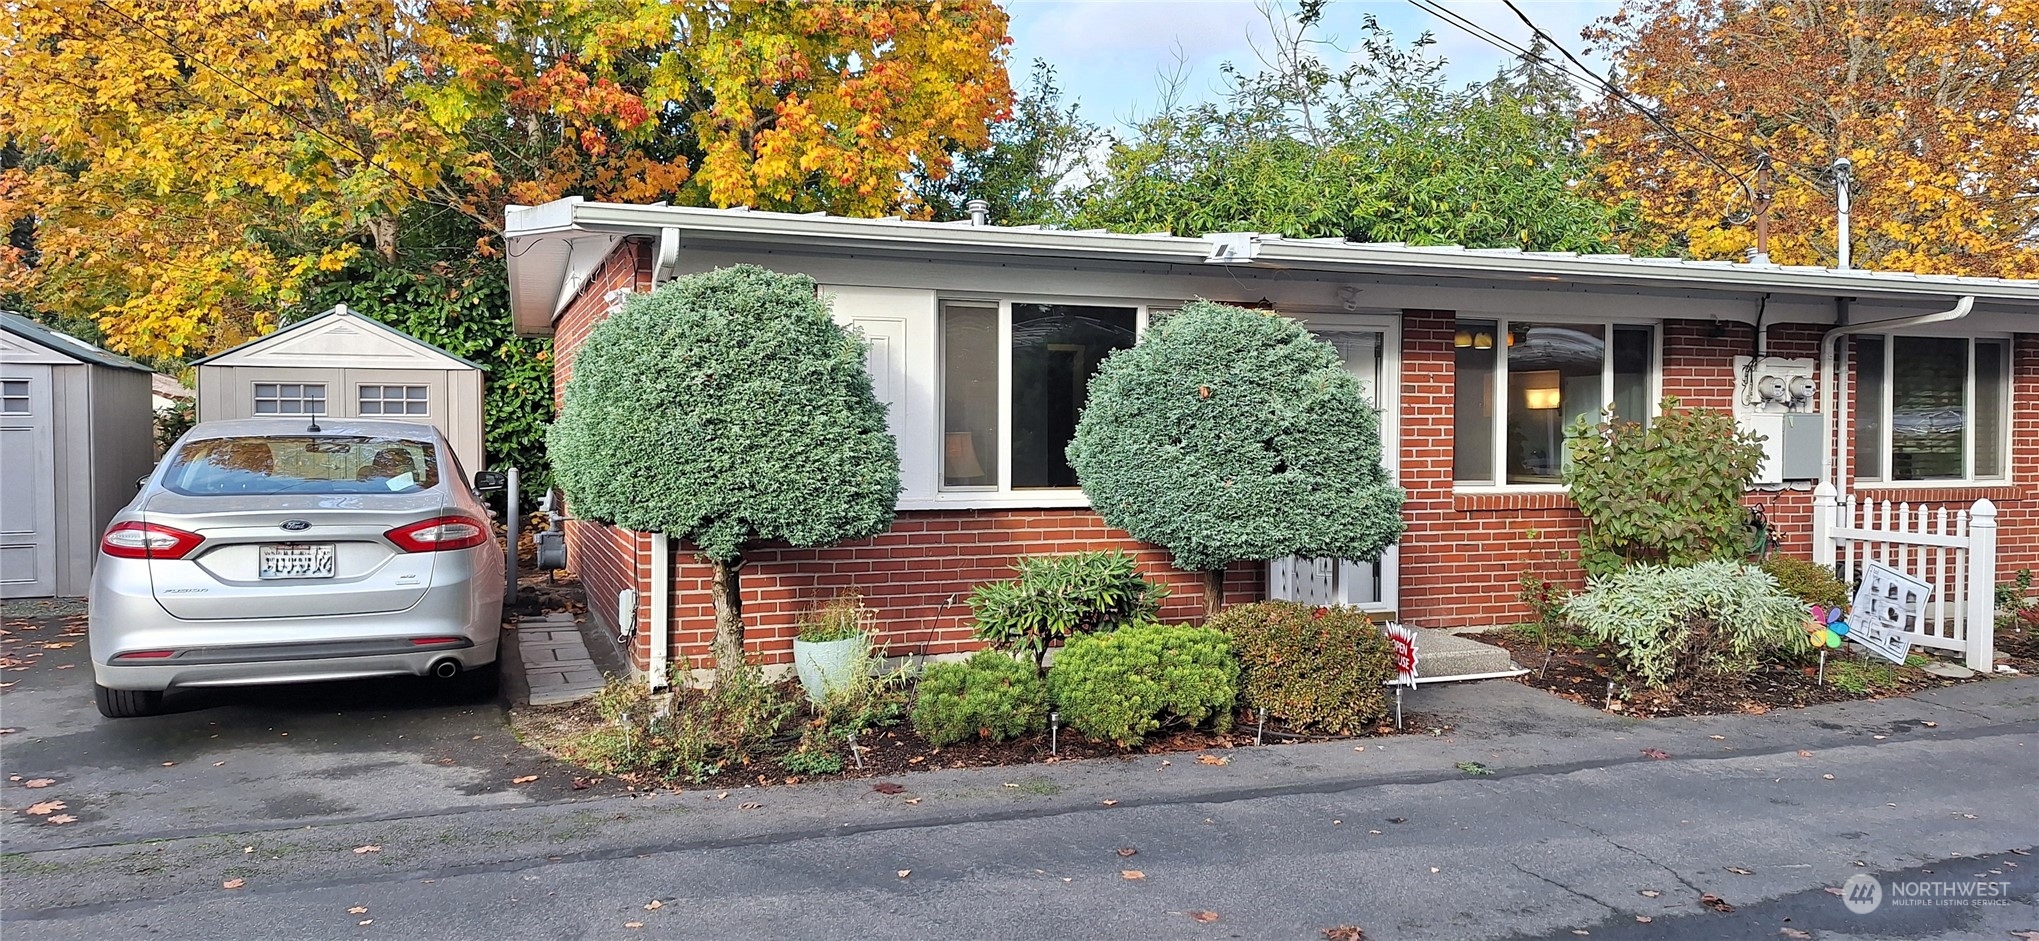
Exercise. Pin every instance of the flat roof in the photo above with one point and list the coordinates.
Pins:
(554, 249)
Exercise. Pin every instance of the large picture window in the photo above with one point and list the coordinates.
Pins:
(1931, 408)
(1028, 417)
(1520, 384)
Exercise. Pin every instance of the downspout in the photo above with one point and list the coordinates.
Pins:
(1833, 403)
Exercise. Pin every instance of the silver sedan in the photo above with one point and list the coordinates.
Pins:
(292, 550)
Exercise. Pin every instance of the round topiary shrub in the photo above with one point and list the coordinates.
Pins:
(1317, 669)
(990, 696)
(1119, 686)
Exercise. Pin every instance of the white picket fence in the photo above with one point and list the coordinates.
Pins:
(1955, 552)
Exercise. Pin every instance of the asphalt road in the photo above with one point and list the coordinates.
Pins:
(1577, 829)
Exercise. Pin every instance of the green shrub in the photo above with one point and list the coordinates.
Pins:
(1119, 686)
(1313, 668)
(1669, 493)
(1056, 596)
(1674, 624)
(989, 696)
(2015, 605)
(687, 733)
(1809, 581)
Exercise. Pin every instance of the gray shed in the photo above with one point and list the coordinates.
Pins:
(344, 364)
(76, 433)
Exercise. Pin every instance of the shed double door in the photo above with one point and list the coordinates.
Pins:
(1367, 346)
(28, 491)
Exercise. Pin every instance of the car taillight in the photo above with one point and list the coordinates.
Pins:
(136, 540)
(439, 534)
(145, 655)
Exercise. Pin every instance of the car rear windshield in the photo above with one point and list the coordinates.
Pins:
(302, 464)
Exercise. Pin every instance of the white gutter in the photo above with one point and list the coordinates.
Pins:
(1832, 404)
(661, 619)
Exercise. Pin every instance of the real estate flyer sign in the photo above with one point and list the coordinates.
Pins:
(1889, 606)
(1403, 640)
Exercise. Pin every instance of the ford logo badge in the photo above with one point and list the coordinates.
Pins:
(296, 526)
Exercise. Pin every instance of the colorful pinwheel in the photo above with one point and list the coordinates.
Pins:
(1827, 626)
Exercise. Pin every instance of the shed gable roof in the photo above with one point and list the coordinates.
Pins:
(34, 342)
(340, 338)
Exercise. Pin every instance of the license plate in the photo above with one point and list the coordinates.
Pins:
(297, 560)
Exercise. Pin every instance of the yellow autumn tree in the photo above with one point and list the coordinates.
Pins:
(188, 168)
(1933, 102)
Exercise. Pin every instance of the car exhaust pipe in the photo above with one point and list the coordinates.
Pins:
(446, 669)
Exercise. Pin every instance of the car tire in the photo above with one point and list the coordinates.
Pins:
(127, 703)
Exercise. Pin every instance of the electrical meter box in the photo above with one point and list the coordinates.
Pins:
(1800, 444)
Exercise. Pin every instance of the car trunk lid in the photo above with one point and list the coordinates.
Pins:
(223, 578)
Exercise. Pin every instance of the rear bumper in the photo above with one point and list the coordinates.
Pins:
(162, 675)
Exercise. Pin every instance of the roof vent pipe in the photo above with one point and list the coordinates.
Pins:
(980, 212)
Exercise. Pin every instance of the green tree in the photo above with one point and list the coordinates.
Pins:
(1230, 435)
(1381, 151)
(727, 409)
(1024, 171)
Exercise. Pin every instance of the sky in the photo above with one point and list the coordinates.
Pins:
(1108, 54)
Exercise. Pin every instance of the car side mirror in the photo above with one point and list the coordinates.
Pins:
(491, 480)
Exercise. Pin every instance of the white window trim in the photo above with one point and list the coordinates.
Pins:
(1968, 476)
(325, 397)
(1500, 430)
(1004, 495)
(359, 400)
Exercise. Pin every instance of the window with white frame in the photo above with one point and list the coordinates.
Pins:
(1520, 383)
(290, 398)
(1931, 408)
(14, 397)
(1014, 380)
(393, 400)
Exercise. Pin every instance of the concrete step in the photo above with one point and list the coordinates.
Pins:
(1441, 656)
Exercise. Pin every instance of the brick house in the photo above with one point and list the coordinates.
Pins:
(983, 338)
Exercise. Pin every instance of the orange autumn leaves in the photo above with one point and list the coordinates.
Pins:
(188, 169)
(1930, 101)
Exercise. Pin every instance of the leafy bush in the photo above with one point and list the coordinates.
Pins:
(989, 696)
(687, 733)
(2014, 601)
(1809, 581)
(173, 420)
(874, 698)
(1119, 686)
(1056, 596)
(1711, 619)
(1668, 494)
(1313, 668)
(1230, 435)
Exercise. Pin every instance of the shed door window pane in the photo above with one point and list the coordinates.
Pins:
(394, 400)
(14, 397)
(1554, 377)
(290, 398)
(1928, 408)
(1870, 426)
(1055, 350)
(1991, 390)
(1472, 456)
(1632, 374)
(969, 395)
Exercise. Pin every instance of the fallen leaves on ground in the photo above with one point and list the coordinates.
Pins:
(654, 905)
(46, 807)
(753, 805)
(365, 922)
(1930, 725)
(1203, 918)
(1718, 738)
(1643, 919)
(358, 910)
(233, 883)
(1474, 768)
(913, 800)
(1737, 870)
(370, 848)
(1131, 875)
(1828, 777)
(903, 873)
(1716, 903)
(1656, 754)
(633, 924)
(1345, 933)
(38, 782)
(887, 787)
(1650, 893)
(527, 779)
(582, 784)
(1834, 891)
(1802, 753)
(1109, 803)
(1794, 933)
(2026, 935)
(1127, 852)
(1212, 760)
(61, 819)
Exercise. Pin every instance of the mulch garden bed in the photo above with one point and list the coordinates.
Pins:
(1582, 676)
(896, 750)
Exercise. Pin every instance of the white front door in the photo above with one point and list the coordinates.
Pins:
(28, 497)
(1367, 347)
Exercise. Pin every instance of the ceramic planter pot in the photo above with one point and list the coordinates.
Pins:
(829, 664)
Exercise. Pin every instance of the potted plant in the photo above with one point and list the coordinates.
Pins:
(832, 645)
